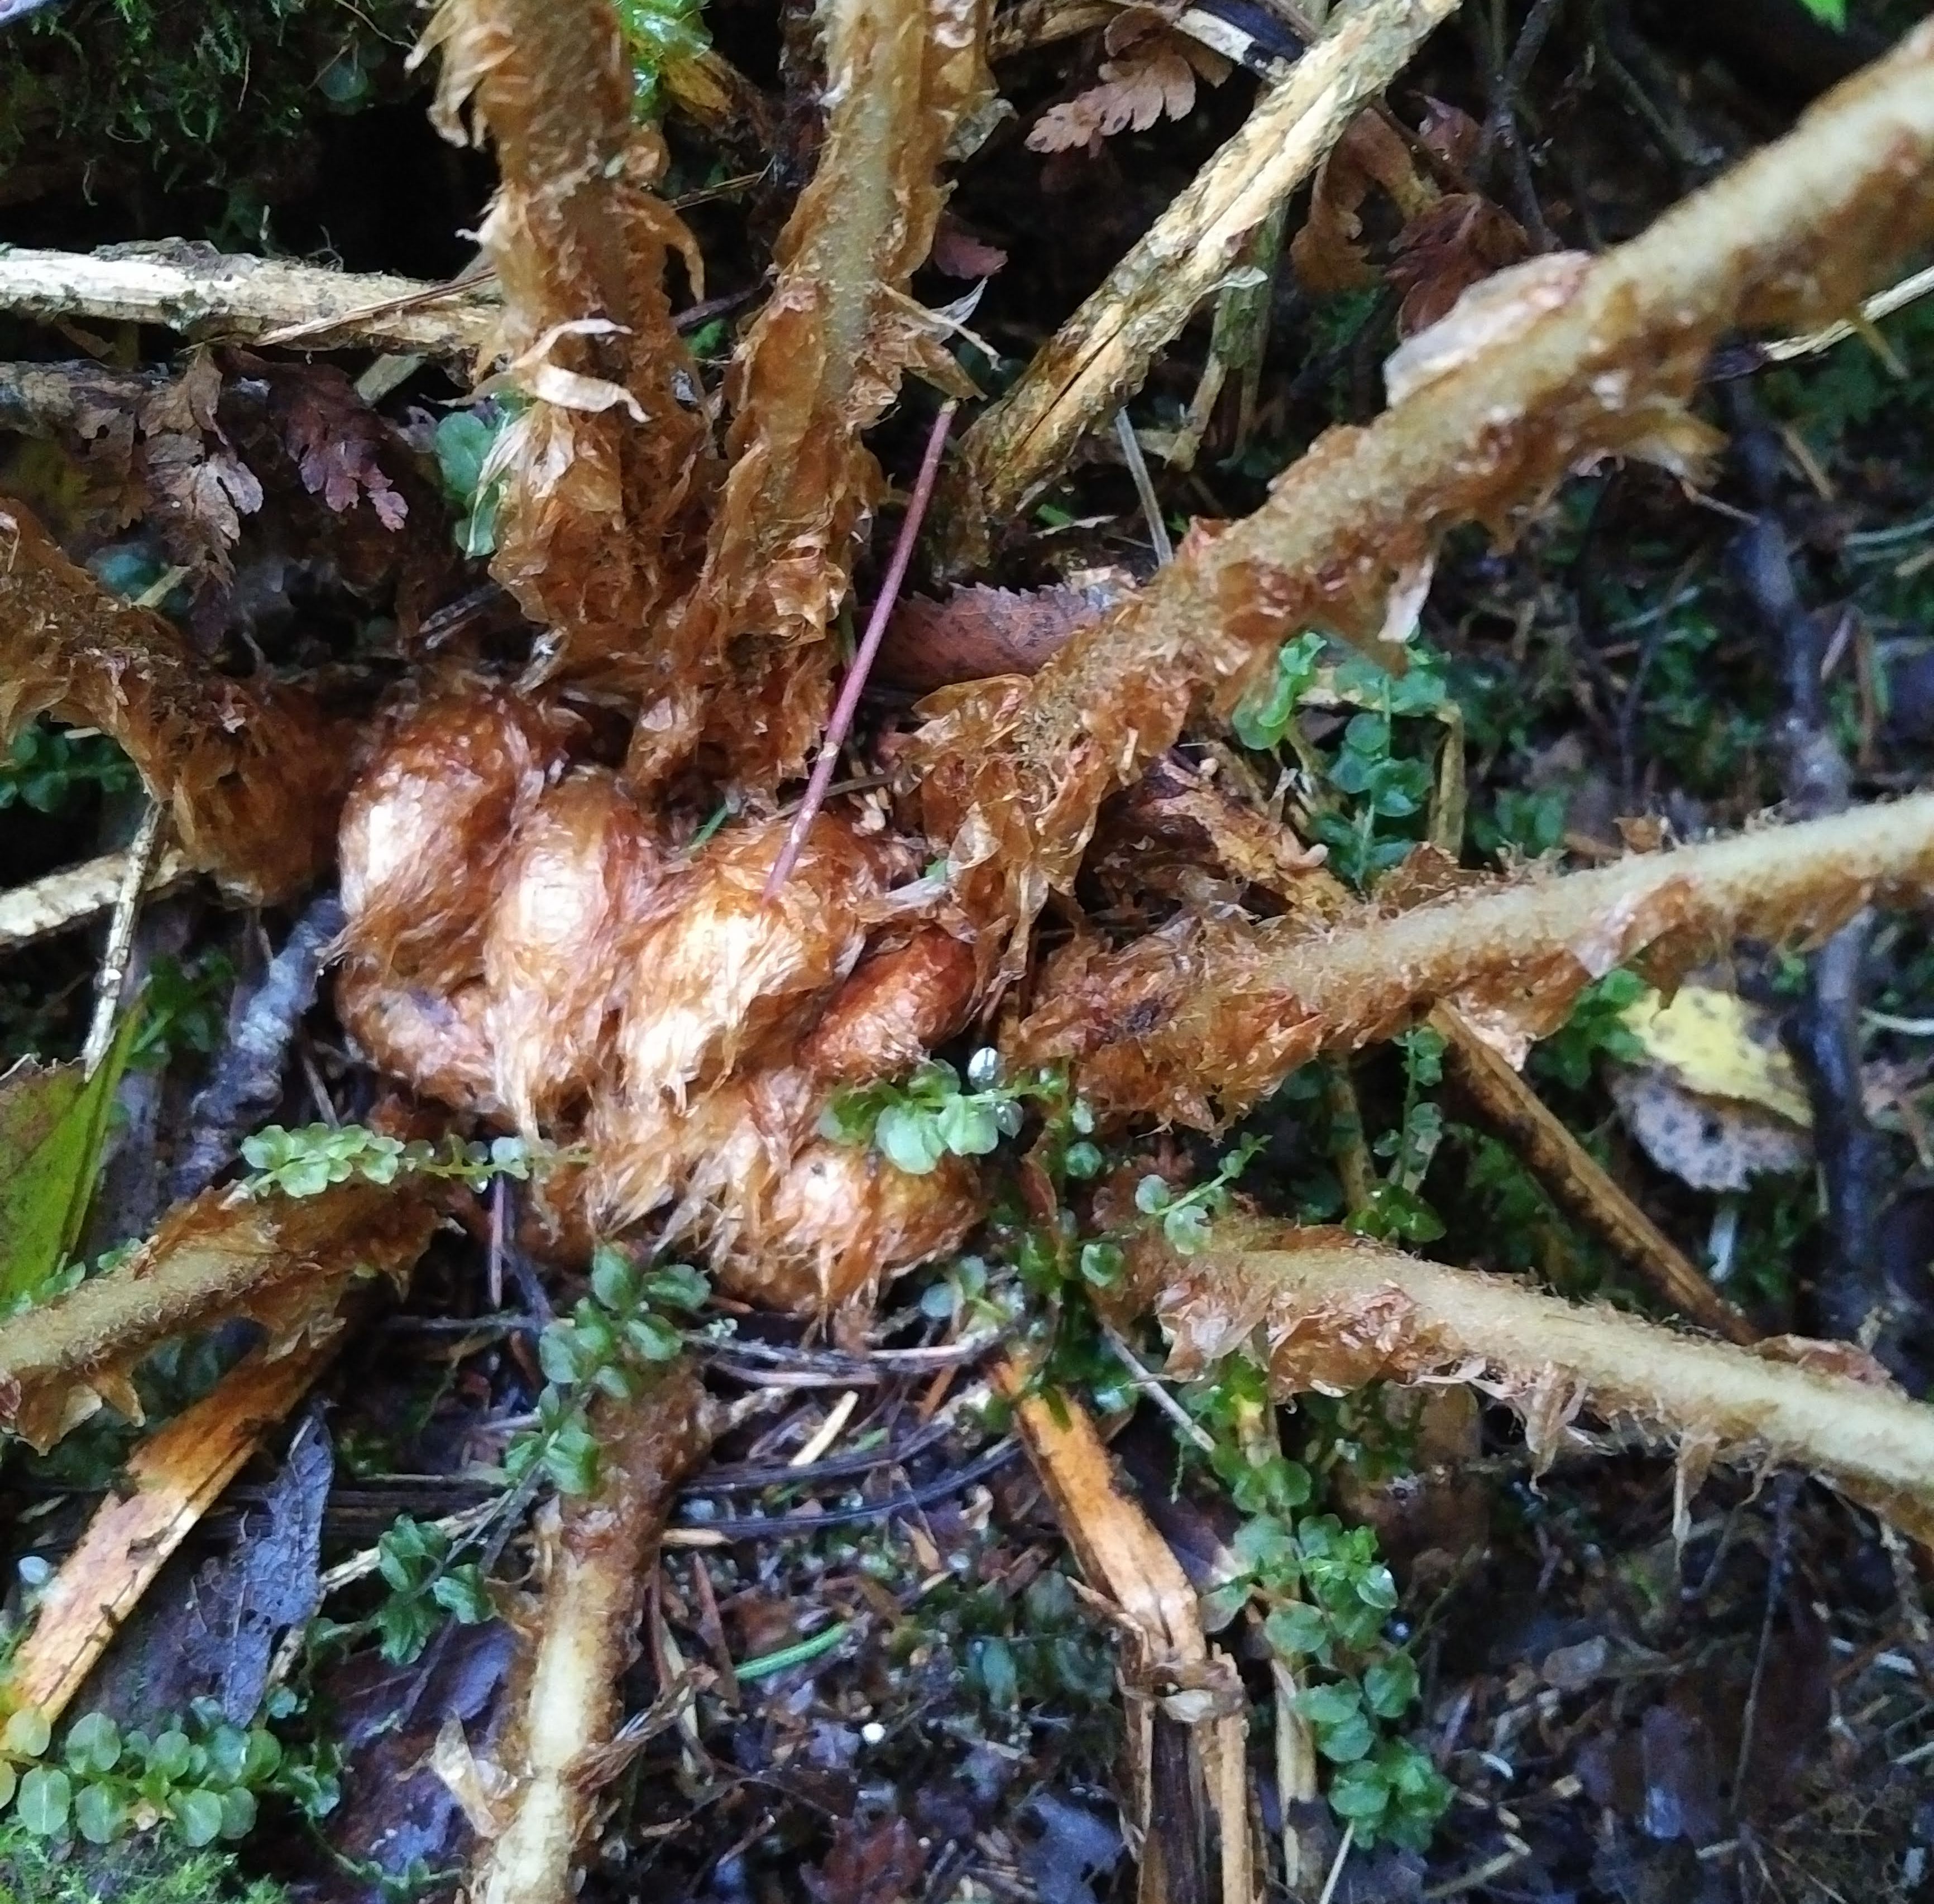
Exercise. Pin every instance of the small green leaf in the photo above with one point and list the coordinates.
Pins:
(1358, 1795)
(908, 1140)
(238, 1814)
(1390, 1685)
(967, 1127)
(198, 1816)
(1297, 1631)
(99, 1815)
(26, 1733)
(93, 1745)
(42, 1802)
(169, 1755)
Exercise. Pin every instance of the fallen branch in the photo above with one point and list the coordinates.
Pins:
(1329, 1317)
(1098, 358)
(194, 289)
(282, 1262)
(1200, 1019)
(169, 1483)
(76, 895)
(252, 773)
(600, 1554)
(1560, 365)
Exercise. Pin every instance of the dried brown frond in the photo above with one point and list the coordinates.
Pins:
(280, 1261)
(1150, 74)
(1011, 774)
(1327, 1314)
(1207, 1014)
(821, 364)
(598, 1555)
(252, 773)
(607, 472)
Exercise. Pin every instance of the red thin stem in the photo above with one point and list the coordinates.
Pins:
(838, 727)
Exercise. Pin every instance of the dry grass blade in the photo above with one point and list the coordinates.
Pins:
(819, 366)
(1330, 1315)
(253, 775)
(1586, 361)
(1207, 1014)
(1171, 1676)
(280, 1261)
(606, 471)
(1099, 357)
(170, 1482)
(193, 289)
(600, 1552)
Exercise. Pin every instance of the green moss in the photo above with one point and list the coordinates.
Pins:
(216, 95)
(148, 1869)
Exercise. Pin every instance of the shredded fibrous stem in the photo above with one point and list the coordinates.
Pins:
(252, 773)
(606, 471)
(1100, 356)
(1207, 1014)
(600, 1556)
(1578, 1181)
(1330, 1315)
(821, 365)
(170, 1482)
(1011, 773)
(280, 1261)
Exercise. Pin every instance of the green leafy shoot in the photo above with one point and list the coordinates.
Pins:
(614, 1339)
(1369, 798)
(659, 33)
(915, 1122)
(1184, 1216)
(427, 1584)
(1327, 1599)
(48, 765)
(306, 1162)
(1397, 1212)
(200, 1773)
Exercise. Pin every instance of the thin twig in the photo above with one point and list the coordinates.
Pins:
(143, 852)
(1151, 1386)
(1138, 468)
(774, 1527)
(837, 728)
